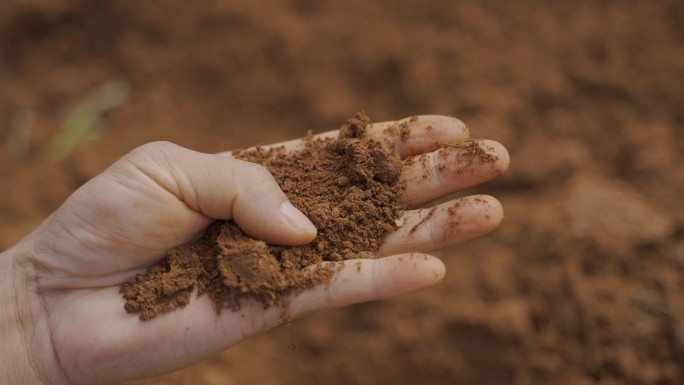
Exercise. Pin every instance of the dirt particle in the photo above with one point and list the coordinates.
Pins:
(426, 218)
(320, 247)
(355, 127)
(404, 132)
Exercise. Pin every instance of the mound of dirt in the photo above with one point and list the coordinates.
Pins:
(349, 188)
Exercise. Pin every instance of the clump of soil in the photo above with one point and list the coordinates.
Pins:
(349, 188)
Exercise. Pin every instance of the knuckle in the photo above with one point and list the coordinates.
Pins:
(146, 159)
(153, 153)
(155, 150)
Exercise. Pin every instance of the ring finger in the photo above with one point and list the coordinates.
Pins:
(443, 225)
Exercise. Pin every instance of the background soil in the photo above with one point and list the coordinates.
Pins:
(581, 285)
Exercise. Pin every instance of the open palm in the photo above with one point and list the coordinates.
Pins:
(161, 195)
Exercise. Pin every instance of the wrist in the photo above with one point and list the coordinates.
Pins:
(22, 332)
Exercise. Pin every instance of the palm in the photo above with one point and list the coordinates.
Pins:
(133, 217)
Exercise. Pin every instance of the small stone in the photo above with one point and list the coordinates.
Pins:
(320, 247)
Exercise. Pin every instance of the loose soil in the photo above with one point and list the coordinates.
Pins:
(582, 283)
(347, 186)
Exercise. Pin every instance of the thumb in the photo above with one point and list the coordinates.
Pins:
(221, 187)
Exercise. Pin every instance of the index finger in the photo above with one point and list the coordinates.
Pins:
(406, 137)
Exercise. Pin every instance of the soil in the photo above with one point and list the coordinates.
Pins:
(347, 186)
(582, 283)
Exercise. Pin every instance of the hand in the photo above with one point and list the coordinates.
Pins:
(63, 319)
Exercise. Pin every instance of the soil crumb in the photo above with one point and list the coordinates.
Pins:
(348, 186)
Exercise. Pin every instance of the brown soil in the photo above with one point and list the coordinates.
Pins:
(583, 282)
(349, 188)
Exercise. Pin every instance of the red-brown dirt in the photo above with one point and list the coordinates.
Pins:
(348, 186)
(583, 282)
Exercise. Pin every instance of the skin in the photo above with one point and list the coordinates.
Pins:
(63, 321)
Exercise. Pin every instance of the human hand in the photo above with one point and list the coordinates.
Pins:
(65, 321)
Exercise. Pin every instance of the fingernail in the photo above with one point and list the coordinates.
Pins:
(296, 219)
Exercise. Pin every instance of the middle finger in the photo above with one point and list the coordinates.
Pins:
(450, 169)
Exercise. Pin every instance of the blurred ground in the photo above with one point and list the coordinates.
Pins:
(581, 285)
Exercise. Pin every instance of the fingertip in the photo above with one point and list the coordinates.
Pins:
(458, 129)
(439, 268)
(496, 209)
(445, 122)
(490, 212)
(433, 269)
(498, 152)
(304, 229)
